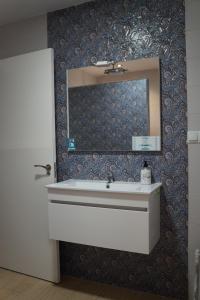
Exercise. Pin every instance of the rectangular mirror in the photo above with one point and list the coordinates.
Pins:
(115, 106)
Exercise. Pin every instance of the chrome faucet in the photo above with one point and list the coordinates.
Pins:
(110, 177)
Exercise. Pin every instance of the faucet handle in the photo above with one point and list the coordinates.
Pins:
(111, 176)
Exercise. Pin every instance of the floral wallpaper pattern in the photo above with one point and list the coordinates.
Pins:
(124, 30)
(106, 116)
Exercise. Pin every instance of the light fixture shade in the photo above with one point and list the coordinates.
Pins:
(115, 69)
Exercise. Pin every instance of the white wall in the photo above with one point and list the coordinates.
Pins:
(22, 37)
(193, 87)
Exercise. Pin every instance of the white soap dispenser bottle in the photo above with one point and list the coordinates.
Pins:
(145, 174)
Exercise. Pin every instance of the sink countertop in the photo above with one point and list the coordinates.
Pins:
(100, 186)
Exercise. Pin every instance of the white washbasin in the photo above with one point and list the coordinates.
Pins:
(125, 216)
(101, 186)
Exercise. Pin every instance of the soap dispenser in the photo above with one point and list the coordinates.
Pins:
(145, 174)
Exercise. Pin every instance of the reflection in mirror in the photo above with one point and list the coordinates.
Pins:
(115, 107)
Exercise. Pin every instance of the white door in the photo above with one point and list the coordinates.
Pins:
(27, 138)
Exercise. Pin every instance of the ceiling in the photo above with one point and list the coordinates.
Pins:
(136, 65)
(136, 69)
(15, 10)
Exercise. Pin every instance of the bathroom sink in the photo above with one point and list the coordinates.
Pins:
(125, 216)
(101, 186)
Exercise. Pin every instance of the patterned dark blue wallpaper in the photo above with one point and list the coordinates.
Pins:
(117, 30)
(106, 116)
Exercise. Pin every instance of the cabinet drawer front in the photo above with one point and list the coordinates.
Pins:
(112, 228)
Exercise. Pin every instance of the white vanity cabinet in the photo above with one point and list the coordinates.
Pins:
(124, 217)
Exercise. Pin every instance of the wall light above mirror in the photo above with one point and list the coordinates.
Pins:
(115, 106)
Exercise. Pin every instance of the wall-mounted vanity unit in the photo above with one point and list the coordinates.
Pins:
(125, 216)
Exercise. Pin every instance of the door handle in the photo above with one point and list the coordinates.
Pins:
(47, 168)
